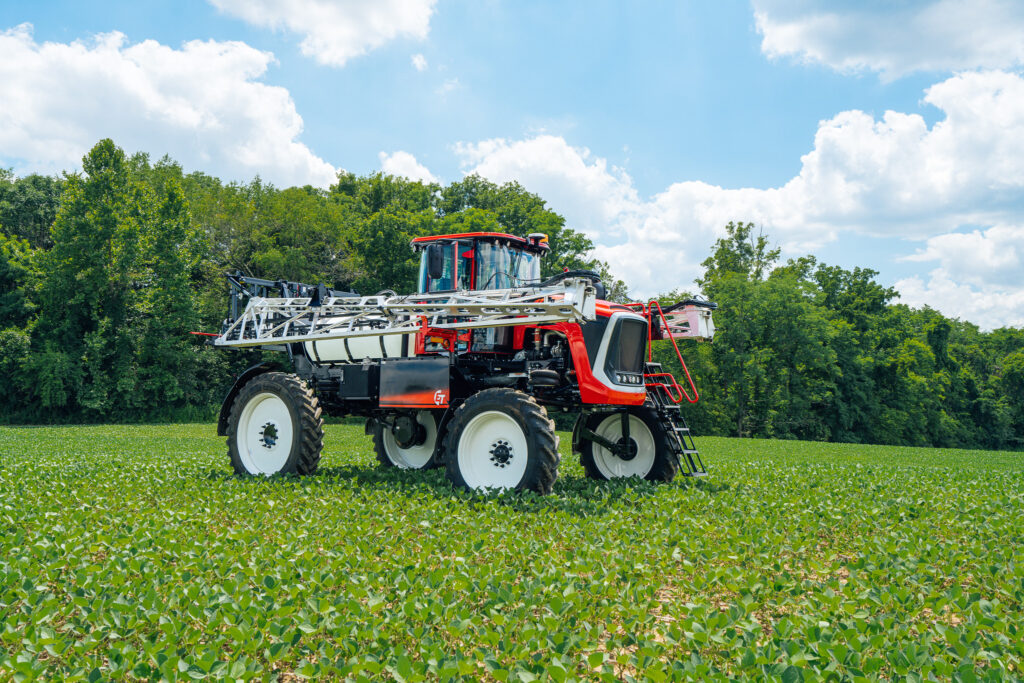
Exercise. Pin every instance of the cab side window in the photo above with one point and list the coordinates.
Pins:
(446, 282)
(465, 265)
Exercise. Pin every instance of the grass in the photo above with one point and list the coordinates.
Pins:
(131, 552)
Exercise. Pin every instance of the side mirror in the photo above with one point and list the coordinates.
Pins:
(435, 261)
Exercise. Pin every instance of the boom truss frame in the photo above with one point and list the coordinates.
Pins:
(269, 321)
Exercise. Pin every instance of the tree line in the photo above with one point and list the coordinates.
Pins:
(104, 273)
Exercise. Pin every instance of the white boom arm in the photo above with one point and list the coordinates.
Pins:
(281, 321)
(690, 322)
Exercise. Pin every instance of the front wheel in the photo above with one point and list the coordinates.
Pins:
(648, 454)
(500, 439)
(407, 442)
(275, 427)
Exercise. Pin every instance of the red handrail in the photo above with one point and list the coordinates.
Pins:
(647, 310)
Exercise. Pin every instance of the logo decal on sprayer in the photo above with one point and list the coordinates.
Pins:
(440, 397)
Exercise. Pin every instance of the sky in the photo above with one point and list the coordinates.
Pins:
(874, 134)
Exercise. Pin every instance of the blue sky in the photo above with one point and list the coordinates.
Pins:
(878, 137)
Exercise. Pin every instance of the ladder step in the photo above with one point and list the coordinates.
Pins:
(682, 444)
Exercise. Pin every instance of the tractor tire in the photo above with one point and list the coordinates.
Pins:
(654, 459)
(275, 427)
(415, 457)
(500, 439)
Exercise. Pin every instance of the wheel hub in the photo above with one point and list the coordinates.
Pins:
(268, 435)
(501, 453)
(408, 432)
(627, 449)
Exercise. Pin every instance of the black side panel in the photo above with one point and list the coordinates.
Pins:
(593, 333)
(225, 407)
(358, 381)
(493, 339)
(415, 383)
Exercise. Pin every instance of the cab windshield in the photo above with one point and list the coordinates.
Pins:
(488, 265)
(501, 267)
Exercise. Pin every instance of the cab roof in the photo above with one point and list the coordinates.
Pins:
(535, 242)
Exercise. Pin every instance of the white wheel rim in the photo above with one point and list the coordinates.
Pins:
(611, 465)
(265, 434)
(492, 452)
(414, 457)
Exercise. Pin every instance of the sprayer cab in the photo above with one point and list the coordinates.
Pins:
(479, 261)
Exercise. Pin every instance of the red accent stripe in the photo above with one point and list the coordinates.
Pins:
(543, 246)
(412, 405)
(415, 399)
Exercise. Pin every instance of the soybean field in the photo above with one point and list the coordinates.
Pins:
(132, 552)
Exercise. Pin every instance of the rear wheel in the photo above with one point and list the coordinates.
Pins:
(500, 439)
(275, 427)
(648, 453)
(408, 442)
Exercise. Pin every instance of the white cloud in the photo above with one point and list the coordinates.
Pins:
(983, 258)
(584, 188)
(980, 276)
(895, 38)
(892, 176)
(404, 165)
(335, 31)
(202, 104)
(986, 306)
(419, 62)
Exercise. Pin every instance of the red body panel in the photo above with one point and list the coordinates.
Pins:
(592, 391)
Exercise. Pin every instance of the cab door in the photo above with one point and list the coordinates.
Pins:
(466, 271)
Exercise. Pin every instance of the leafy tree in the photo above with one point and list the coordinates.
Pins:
(389, 213)
(16, 274)
(732, 277)
(15, 376)
(1012, 384)
(853, 295)
(167, 362)
(28, 206)
(383, 244)
(738, 254)
(89, 303)
(856, 304)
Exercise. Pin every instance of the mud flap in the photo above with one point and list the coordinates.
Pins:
(576, 435)
(225, 406)
(415, 383)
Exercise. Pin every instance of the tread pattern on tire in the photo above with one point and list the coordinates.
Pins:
(665, 465)
(309, 430)
(542, 467)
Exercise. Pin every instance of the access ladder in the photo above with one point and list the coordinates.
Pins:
(671, 417)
